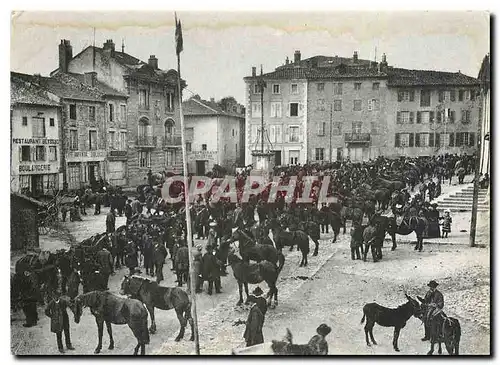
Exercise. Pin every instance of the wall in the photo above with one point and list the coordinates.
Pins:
(23, 136)
(116, 164)
(23, 224)
(201, 124)
(229, 144)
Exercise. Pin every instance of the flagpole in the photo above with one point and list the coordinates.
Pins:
(192, 276)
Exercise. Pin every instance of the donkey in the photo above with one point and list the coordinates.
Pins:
(284, 238)
(156, 296)
(389, 317)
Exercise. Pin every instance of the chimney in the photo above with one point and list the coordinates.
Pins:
(287, 61)
(355, 57)
(384, 58)
(296, 57)
(109, 46)
(37, 78)
(383, 64)
(212, 100)
(65, 55)
(254, 71)
(90, 78)
(153, 62)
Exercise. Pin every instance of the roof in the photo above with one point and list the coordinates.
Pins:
(100, 86)
(203, 107)
(28, 199)
(405, 77)
(23, 92)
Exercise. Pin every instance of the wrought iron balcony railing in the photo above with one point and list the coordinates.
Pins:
(146, 141)
(357, 137)
(172, 141)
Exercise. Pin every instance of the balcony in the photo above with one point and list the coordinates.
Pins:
(146, 141)
(172, 141)
(357, 137)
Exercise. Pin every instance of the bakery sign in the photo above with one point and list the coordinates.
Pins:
(45, 168)
(202, 155)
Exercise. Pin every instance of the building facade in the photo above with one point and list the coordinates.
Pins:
(35, 125)
(359, 109)
(222, 146)
(153, 129)
(485, 80)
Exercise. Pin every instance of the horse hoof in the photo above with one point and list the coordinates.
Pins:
(315, 254)
(429, 353)
(111, 347)
(440, 352)
(394, 248)
(374, 342)
(191, 338)
(368, 344)
(97, 351)
(240, 302)
(152, 331)
(177, 339)
(396, 349)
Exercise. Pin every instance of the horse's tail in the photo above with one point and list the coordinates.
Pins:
(363, 319)
(281, 261)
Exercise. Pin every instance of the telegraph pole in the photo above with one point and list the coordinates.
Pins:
(331, 127)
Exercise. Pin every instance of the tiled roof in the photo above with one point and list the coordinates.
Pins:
(22, 92)
(404, 77)
(286, 73)
(203, 107)
(100, 86)
(328, 61)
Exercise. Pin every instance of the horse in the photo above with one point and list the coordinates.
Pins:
(312, 229)
(442, 329)
(354, 214)
(389, 317)
(407, 225)
(154, 296)
(373, 236)
(246, 273)
(283, 238)
(109, 308)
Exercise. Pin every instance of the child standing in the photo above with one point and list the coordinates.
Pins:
(446, 223)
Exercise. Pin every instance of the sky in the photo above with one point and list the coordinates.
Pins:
(220, 48)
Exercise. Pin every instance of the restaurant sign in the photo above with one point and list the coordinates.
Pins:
(35, 141)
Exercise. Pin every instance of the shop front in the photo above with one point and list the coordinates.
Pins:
(85, 168)
(201, 162)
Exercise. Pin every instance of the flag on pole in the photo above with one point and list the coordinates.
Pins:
(178, 36)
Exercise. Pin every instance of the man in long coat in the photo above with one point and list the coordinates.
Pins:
(255, 322)
(147, 250)
(59, 321)
(211, 270)
(159, 254)
(182, 262)
(435, 301)
(131, 257)
(29, 298)
(105, 262)
(198, 268)
(110, 222)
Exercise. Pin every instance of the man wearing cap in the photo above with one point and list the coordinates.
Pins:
(317, 344)
(435, 302)
(253, 332)
(159, 255)
(211, 270)
(128, 211)
(212, 235)
(59, 321)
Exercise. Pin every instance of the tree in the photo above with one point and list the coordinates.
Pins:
(227, 103)
(197, 97)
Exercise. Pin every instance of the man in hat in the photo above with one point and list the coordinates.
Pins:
(159, 255)
(182, 262)
(110, 222)
(198, 268)
(325, 211)
(97, 202)
(435, 303)
(128, 210)
(317, 344)
(59, 321)
(255, 322)
(212, 234)
(211, 270)
(105, 262)
(29, 295)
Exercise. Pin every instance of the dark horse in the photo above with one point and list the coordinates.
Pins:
(312, 229)
(109, 308)
(283, 238)
(442, 329)
(405, 227)
(256, 273)
(156, 296)
(249, 250)
(389, 317)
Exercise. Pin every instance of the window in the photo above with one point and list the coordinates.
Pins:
(294, 109)
(52, 123)
(72, 111)
(424, 117)
(356, 127)
(236, 147)
(376, 86)
(40, 153)
(403, 117)
(92, 113)
(294, 157)
(123, 113)
(24, 182)
(52, 153)
(337, 105)
(294, 134)
(256, 110)
(444, 140)
(188, 146)
(92, 140)
(452, 95)
(321, 128)
(451, 116)
(276, 89)
(276, 109)
(144, 99)
(374, 105)
(321, 105)
(357, 86)
(275, 133)
(123, 141)
(460, 95)
(465, 116)
(25, 153)
(321, 86)
(337, 128)
(111, 112)
(425, 98)
(189, 133)
(465, 138)
(337, 88)
(225, 148)
(144, 159)
(38, 128)
(111, 141)
(169, 102)
(441, 96)
(319, 154)
(73, 139)
(406, 95)
(424, 139)
(232, 132)
(295, 89)
(357, 105)
(203, 147)
(402, 140)
(256, 89)
(25, 121)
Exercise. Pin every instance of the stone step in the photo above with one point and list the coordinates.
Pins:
(460, 199)
(453, 209)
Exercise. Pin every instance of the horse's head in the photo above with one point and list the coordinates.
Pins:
(76, 306)
(125, 286)
(423, 308)
(415, 306)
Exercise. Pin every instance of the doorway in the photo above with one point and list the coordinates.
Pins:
(37, 185)
(201, 167)
(294, 157)
(277, 158)
(339, 154)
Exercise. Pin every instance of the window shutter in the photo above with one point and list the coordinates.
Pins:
(452, 116)
(412, 95)
(149, 130)
(288, 109)
(437, 140)
(273, 110)
(279, 110)
(431, 139)
(398, 118)
(473, 95)
(452, 95)
(472, 136)
(452, 139)
(462, 116)
(439, 116)
(397, 140)
(459, 139)
(370, 104)
(20, 153)
(287, 134)
(411, 141)
(400, 96)
(431, 117)
(412, 117)
(417, 139)
(419, 118)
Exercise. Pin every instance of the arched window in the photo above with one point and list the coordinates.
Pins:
(169, 128)
(144, 127)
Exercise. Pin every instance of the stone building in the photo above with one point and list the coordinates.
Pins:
(24, 222)
(35, 125)
(153, 130)
(360, 109)
(213, 136)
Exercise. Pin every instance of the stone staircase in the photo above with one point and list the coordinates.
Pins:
(461, 200)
